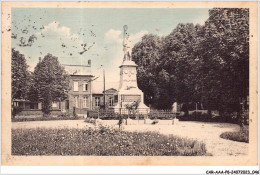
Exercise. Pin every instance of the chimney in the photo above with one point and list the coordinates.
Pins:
(89, 62)
(40, 59)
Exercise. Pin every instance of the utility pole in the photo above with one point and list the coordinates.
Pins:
(104, 87)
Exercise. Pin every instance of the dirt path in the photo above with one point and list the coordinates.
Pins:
(209, 133)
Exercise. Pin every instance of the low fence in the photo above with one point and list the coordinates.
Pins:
(109, 114)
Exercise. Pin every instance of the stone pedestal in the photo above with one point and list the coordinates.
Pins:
(128, 89)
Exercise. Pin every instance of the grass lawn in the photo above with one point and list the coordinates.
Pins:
(101, 141)
(240, 136)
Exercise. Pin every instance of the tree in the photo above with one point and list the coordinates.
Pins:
(50, 83)
(225, 58)
(132, 108)
(206, 64)
(20, 78)
(147, 55)
(179, 60)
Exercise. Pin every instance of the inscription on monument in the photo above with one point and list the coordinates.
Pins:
(131, 98)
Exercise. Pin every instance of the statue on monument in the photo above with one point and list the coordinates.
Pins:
(128, 92)
(126, 47)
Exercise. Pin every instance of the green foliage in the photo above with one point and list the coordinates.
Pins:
(147, 55)
(20, 76)
(206, 117)
(50, 83)
(59, 117)
(225, 58)
(132, 107)
(241, 136)
(101, 141)
(206, 64)
(16, 110)
(90, 120)
(21, 79)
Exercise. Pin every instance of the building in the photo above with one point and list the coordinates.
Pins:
(80, 95)
(86, 93)
(111, 94)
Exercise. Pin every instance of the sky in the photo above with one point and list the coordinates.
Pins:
(77, 35)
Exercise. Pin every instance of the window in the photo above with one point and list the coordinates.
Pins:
(97, 101)
(31, 105)
(16, 103)
(116, 98)
(85, 87)
(76, 86)
(67, 104)
(85, 102)
(54, 104)
(111, 101)
(76, 99)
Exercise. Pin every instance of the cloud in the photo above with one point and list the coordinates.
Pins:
(59, 41)
(113, 36)
(54, 27)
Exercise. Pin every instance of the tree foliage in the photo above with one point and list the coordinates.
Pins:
(21, 80)
(206, 64)
(225, 47)
(50, 83)
(20, 76)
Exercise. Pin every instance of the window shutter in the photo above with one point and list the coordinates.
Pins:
(76, 86)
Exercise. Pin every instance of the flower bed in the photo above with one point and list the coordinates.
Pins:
(64, 116)
(101, 141)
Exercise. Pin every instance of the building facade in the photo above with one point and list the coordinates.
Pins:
(85, 94)
(111, 99)
(79, 96)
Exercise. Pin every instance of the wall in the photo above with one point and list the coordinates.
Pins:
(107, 95)
(81, 79)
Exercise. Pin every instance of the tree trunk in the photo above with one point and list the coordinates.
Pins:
(46, 108)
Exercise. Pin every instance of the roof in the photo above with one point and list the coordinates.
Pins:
(98, 86)
(78, 69)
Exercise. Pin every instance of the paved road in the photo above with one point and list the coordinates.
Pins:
(207, 132)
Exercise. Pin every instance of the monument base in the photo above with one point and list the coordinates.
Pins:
(128, 96)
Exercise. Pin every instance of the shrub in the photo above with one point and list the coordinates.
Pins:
(59, 117)
(64, 115)
(240, 136)
(90, 120)
(101, 141)
(206, 117)
(161, 115)
(109, 114)
(16, 110)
